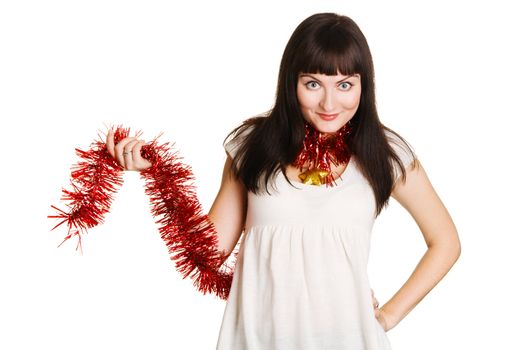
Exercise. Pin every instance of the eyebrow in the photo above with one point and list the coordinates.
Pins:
(310, 76)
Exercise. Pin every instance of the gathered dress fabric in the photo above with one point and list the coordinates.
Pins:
(300, 280)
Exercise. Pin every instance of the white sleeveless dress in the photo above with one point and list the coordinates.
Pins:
(300, 281)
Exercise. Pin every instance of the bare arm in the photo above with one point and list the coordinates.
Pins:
(419, 198)
(229, 210)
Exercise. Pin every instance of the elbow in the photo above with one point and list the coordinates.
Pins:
(451, 249)
(454, 250)
(456, 247)
(458, 251)
(455, 253)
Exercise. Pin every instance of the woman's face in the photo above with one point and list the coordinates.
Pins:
(328, 102)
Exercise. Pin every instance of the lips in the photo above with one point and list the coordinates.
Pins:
(327, 117)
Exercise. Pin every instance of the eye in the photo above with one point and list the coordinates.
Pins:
(345, 86)
(312, 85)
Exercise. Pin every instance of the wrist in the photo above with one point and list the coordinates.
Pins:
(390, 319)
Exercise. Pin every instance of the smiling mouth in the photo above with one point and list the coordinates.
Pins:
(327, 116)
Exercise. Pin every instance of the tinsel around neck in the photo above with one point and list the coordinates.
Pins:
(320, 150)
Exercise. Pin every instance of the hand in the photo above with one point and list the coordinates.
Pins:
(386, 321)
(381, 317)
(127, 152)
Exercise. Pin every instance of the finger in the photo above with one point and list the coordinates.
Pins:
(110, 142)
(375, 303)
(141, 163)
(127, 154)
(119, 149)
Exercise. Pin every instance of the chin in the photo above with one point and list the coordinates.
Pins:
(327, 129)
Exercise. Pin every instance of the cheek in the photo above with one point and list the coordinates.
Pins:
(303, 100)
(351, 101)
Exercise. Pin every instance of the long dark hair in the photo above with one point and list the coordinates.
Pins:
(324, 43)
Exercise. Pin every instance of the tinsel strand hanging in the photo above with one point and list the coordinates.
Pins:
(94, 179)
(188, 233)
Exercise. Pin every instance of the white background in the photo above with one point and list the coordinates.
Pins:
(194, 70)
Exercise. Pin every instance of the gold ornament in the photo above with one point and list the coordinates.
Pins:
(315, 177)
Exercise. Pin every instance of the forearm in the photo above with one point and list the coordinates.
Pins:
(432, 267)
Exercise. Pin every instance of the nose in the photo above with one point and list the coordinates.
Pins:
(328, 101)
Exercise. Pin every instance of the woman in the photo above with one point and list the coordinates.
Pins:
(305, 183)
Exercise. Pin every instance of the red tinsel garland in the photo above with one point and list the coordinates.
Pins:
(321, 150)
(94, 180)
(186, 231)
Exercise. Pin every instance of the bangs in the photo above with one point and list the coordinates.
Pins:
(330, 52)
